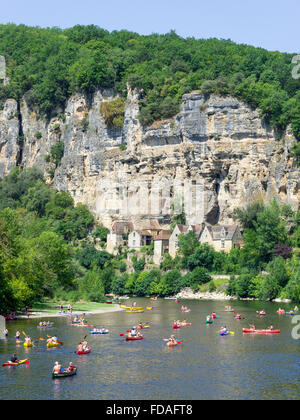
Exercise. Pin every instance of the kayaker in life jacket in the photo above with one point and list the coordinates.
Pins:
(84, 345)
(208, 318)
(252, 327)
(80, 347)
(172, 339)
(28, 339)
(223, 329)
(14, 358)
(271, 328)
(17, 335)
(70, 367)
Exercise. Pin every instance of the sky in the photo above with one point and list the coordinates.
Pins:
(270, 24)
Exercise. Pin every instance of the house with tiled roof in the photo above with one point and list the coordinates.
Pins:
(118, 236)
(139, 238)
(222, 238)
(161, 246)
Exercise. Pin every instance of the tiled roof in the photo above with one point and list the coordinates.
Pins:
(121, 227)
(163, 235)
(218, 231)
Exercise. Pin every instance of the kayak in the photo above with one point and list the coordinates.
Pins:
(291, 313)
(247, 330)
(79, 325)
(224, 333)
(238, 317)
(188, 310)
(169, 344)
(131, 307)
(135, 312)
(143, 327)
(87, 351)
(128, 338)
(153, 298)
(184, 324)
(52, 345)
(149, 308)
(99, 332)
(175, 326)
(28, 344)
(21, 362)
(64, 374)
(209, 322)
(280, 312)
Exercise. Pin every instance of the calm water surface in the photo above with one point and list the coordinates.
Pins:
(205, 366)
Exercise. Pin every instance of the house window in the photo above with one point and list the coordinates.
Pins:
(223, 243)
(133, 243)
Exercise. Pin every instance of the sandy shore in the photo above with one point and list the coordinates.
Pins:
(44, 314)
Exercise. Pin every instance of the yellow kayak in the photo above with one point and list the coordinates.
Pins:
(52, 345)
(149, 308)
(28, 344)
(135, 312)
(153, 298)
(131, 307)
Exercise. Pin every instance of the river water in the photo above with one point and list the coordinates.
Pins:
(204, 366)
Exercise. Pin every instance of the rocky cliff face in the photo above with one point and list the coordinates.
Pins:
(216, 154)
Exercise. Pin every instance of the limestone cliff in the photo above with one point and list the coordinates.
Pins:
(216, 154)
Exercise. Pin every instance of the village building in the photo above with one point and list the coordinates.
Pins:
(222, 238)
(139, 238)
(161, 246)
(118, 236)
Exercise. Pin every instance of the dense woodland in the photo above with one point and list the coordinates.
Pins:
(50, 248)
(48, 65)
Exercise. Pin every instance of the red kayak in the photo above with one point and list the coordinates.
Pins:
(87, 351)
(246, 330)
(20, 362)
(175, 326)
(128, 338)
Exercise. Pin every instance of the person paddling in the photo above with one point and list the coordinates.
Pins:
(57, 368)
(14, 358)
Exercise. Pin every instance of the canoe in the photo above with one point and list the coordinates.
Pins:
(134, 338)
(87, 351)
(28, 344)
(247, 330)
(52, 345)
(64, 374)
(21, 362)
(131, 307)
(135, 312)
(79, 325)
(99, 332)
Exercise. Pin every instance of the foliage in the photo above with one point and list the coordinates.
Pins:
(113, 112)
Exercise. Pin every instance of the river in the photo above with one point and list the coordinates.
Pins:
(204, 366)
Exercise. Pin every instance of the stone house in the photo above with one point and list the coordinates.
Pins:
(118, 236)
(161, 246)
(139, 238)
(222, 238)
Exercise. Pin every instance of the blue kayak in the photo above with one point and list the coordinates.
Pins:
(224, 333)
(99, 332)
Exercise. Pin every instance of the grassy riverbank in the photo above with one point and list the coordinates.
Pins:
(51, 308)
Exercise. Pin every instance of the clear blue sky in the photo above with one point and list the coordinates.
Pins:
(270, 24)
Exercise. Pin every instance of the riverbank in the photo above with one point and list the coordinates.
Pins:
(187, 293)
(51, 309)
